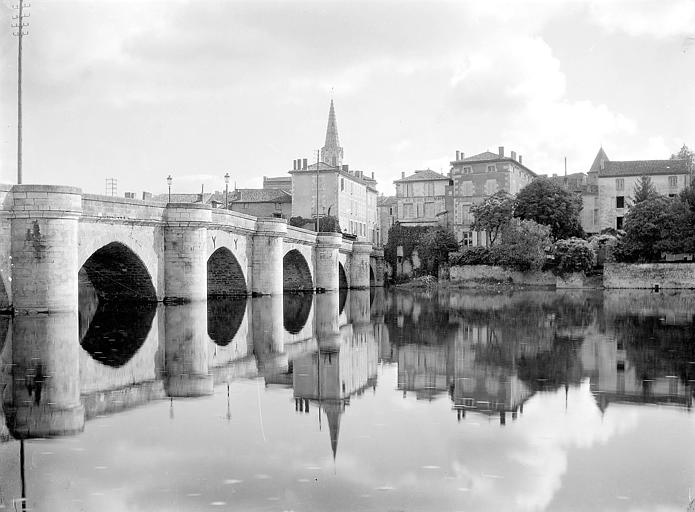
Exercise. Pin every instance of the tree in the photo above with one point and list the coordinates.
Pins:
(523, 246)
(685, 154)
(327, 224)
(434, 248)
(547, 203)
(493, 214)
(644, 189)
(657, 225)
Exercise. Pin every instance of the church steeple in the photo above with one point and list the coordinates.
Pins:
(331, 152)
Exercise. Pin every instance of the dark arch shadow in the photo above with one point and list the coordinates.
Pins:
(4, 298)
(117, 304)
(224, 318)
(296, 310)
(115, 332)
(372, 280)
(342, 277)
(118, 274)
(4, 328)
(225, 276)
(342, 299)
(296, 275)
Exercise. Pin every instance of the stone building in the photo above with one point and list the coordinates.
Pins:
(477, 177)
(261, 202)
(617, 181)
(581, 184)
(278, 182)
(421, 198)
(350, 196)
(387, 209)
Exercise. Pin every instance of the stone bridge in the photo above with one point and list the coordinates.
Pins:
(54, 239)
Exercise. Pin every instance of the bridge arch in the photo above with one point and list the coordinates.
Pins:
(372, 278)
(295, 310)
(296, 275)
(342, 277)
(117, 273)
(4, 296)
(224, 274)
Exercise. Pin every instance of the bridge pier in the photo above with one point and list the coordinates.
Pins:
(359, 267)
(268, 251)
(269, 334)
(45, 376)
(185, 251)
(327, 321)
(327, 250)
(186, 347)
(44, 232)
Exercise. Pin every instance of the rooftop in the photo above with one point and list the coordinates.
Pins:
(643, 168)
(425, 175)
(260, 195)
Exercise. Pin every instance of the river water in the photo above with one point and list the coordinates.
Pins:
(369, 400)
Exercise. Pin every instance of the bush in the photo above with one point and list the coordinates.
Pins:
(572, 255)
(604, 247)
(471, 256)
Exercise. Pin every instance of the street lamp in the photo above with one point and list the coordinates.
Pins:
(169, 180)
(226, 190)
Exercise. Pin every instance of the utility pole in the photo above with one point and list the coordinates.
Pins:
(20, 33)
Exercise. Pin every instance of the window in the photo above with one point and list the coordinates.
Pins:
(408, 190)
(342, 184)
(619, 184)
(467, 188)
(595, 217)
(467, 170)
(467, 239)
(490, 187)
(618, 223)
(620, 202)
(429, 210)
(491, 168)
(408, 211)
(429, 189)
(673, 181)
(391, 210)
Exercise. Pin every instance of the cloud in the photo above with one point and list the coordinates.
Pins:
(651, 18)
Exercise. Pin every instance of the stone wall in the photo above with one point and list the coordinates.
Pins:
(646, 275)
(476, 273)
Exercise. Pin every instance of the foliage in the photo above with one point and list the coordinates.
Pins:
(604, 246)
(493, 214)
(327, 224)
(479, 255)
(434, 248)
(522, 247)
(547, 203)
(572, 255)
(407, 237)
(644, 190)
(685, 154)
(654, 226)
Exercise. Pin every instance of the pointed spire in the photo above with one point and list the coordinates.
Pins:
(332, 153)
(600, 159)
(334, 410)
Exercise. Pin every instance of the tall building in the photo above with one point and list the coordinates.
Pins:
(478, 176)
(581, 184)
(387, 209)
(421, 198)
(348, 195)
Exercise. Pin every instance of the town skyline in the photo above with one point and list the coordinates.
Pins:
(148, 89)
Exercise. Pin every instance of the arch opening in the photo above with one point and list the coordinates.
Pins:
(225, 276)
(116, 304)
(4, 298)
(372, 279)
(224, 318)
(296, 276)
(117, 274)
(342, 277)
(296, 310)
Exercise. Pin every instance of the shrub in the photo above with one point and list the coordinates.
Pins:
(479, 255)
(572, 255)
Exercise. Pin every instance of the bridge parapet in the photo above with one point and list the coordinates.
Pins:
(120, 208)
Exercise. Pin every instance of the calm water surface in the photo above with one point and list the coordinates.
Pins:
(374, 401)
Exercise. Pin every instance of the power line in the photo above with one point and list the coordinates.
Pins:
(20, 33)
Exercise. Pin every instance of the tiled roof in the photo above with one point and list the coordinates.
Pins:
(426, 175)
(487, 155)
(260, 195)
(386, 200)
(643, 168)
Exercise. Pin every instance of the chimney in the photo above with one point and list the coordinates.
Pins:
(520, 161)
(304, 164)
(372, 174)
(463, 155)
(146, 196)
(501, 150)
(457, 155)
(402, 174)
(345, 168)
(513, 155)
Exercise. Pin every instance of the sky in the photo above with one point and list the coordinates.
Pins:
(138, 90)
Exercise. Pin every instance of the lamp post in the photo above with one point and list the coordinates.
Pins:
(169, 180)
(226, 190)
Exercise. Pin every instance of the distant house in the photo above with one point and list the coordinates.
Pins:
(279, 182)
(478, 176)
(421, 197)
(580, 184)
(261, 202)
(387, 209)
(617, 181)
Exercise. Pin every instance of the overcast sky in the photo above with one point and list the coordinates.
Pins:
(135, 90)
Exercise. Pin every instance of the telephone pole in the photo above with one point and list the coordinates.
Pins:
(20, 33)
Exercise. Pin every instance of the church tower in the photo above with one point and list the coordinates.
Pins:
(331, 152)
